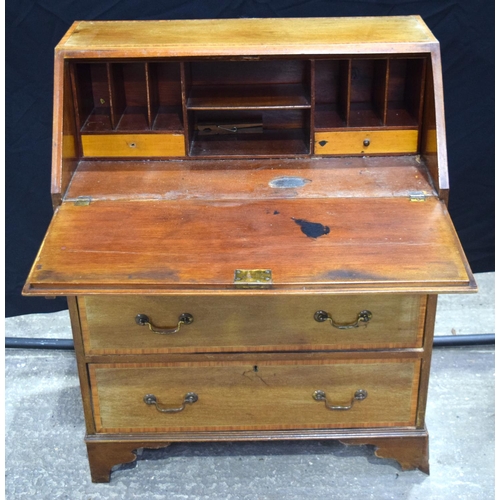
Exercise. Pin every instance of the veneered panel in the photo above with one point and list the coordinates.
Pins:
(387, 244)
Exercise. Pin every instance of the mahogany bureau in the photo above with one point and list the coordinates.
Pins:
(250, 226)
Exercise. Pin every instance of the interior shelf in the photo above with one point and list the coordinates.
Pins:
(98, 120)
(133, 118)
(93, 104)
(255, 132)
(168, 118)
(129, 96)
(363, 114)
(239, 108)
(326, 117)
(405, 92)
(165, 96)
(368, 93)
(249, 97)
(399, 116)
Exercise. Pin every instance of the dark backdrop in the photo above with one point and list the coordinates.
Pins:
(465, 29)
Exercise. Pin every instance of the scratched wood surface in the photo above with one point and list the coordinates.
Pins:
(341, 244)
(254, 37)
(255, 396)
(245, 324)
(251, 179)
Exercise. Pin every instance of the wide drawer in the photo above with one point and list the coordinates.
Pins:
(250, 323)
(366, 142)
(123, 145)
(260, 395)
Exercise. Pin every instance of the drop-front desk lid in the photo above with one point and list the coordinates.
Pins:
(381, 244)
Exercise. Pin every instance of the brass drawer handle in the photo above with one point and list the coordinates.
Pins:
(184, 319)
(359, 395)
(363, 317)
(189, 398)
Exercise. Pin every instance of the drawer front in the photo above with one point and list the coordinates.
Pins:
(366, 142)
(123, 145)
(249, 323)
(261, 395)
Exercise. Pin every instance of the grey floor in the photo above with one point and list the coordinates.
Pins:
(46, 458)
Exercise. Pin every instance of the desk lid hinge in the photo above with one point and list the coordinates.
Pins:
(417, 196)
(83, 201)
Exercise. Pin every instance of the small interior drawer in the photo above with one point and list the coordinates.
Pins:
(365, 142)
(264, 395)
(135, 145)
(232, 323)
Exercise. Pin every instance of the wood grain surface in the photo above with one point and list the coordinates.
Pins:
(255, 396)
(343, 244)
(361, 177)
(133, 145)
(255, 37)
(245, 324)
(250, 96)
(380, 142)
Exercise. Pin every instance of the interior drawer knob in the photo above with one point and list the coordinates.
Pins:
(359, 395)
(189, 398)
(184, 319)
(363, 317)
(366, 143)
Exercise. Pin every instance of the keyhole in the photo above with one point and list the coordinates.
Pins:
(255, 368)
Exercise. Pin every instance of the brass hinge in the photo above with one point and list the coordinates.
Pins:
(253, 278)
(417, 196)
(83, 201)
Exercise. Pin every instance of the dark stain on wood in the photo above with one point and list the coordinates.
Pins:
(312, 229)
(344, 274)
(166, 274)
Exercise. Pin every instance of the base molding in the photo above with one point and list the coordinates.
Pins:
(408, 446)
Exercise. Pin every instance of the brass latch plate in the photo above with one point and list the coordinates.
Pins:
(250, 278)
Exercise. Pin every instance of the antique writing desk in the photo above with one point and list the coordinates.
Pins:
(251, 229)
